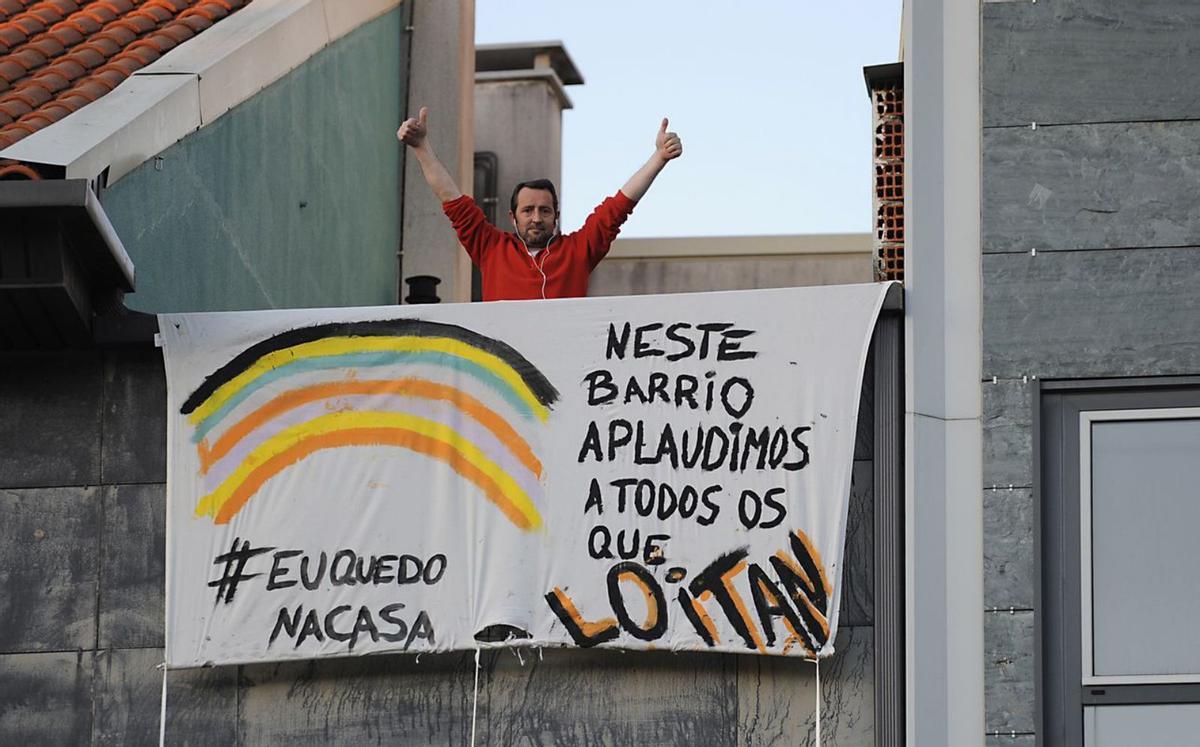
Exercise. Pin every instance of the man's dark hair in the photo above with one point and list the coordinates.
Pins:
(545, 184)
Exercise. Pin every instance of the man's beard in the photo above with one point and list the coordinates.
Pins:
(542, 240)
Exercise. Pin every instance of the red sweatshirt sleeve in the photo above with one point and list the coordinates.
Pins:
(603, 225)
(474, 232)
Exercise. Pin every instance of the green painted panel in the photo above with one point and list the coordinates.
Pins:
(289, 200)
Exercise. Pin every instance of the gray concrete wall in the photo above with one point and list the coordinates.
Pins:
(521, 122)
(443, 73)
(618, 276)
(1106, 190)
(289, 200)
(82, 499)
(718, 263)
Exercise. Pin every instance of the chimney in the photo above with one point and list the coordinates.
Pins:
(885, 86)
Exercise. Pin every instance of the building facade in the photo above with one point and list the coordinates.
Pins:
(1090, 340)
(1050, 398)
(268, 175)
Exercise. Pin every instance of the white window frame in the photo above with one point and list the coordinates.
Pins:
(1086, 419)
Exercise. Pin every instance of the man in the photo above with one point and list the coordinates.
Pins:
(537, 261)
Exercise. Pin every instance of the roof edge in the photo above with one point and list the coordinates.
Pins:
(192, 85)
(528, 55)
(890, 73)
(523, 76)
(690, 247)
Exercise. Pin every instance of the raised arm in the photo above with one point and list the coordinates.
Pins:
(414, 133)
(667, 147)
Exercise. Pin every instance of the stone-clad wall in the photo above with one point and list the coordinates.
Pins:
(1106, 189)
(82, 471)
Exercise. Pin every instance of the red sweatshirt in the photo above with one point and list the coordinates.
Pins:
(559, 271)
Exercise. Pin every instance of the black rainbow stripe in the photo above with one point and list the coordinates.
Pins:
(541, 387)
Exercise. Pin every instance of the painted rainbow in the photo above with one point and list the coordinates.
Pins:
(354, 384)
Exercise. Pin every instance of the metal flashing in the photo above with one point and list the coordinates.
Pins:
(344, 16)
(73, 203)
(139, 119)
(61, 264)
(238, 58)
(891, 73)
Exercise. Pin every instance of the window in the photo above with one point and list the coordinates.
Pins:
(1120, 542)
(1139, 517)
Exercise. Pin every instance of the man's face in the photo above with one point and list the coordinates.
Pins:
(535, 219)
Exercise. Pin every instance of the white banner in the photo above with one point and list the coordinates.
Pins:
(666, 472)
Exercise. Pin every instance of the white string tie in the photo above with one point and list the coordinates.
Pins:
(475, 697)
(818, 702)
(162, 711)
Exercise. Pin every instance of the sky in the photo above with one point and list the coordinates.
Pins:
(767, 96)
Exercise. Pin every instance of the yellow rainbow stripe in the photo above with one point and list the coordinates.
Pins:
(344, 345)
(369, 428)
(411, 387)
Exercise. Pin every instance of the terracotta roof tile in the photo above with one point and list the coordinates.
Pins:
(125, 63)
(7, 139)
(32, 94)
(177, 31)
(15, 108)
(52, 80)
(12, 170)
(47, 45)
(141, 22)
(69, 69)
(66, 34)
(119, 32)
(88, 54)
(91, 89)
(195, 21)
(154, 12)
(84, 24)
(211, 11)
(11, 36)
(57, 56)
(11, 71)
(160, 42)
(9, 8)
(101, 13)
(37, 120)
(28, 57)
(72, 100)
(20, 128)
(28, 23)
(110, 75)
(57, 110)
(46, 13)
(104, 44)
(141, 51)
(116, 7)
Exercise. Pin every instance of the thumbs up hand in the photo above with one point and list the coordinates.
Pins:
(667, 145)
(414, 129)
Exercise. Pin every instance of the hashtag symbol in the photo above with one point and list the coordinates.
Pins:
(235, 568)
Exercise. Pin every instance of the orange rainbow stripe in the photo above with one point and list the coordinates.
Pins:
(412, 387)
(341, 429)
